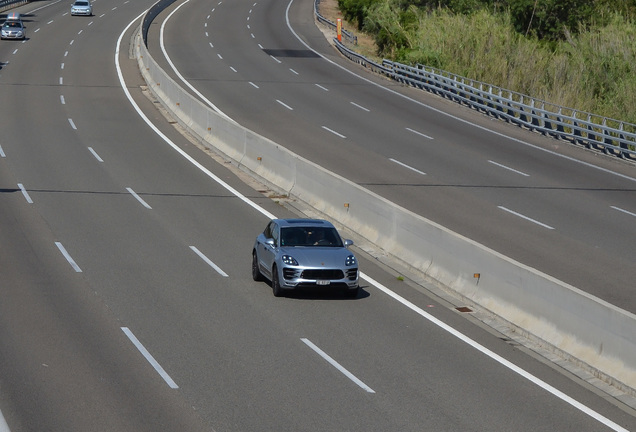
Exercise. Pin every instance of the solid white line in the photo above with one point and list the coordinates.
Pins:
(25, 193)
(624, 211)
(208, 261)
(526, 217)
(285, 105)
(333, 132)
(176, 71)
(189, 158)
(68, 257)
(509, 169)
(2, 152)
(419, 133)
(144, 203)
(513, 367)
(337, 365)
(406, 166)
(72, 124)
(150, 358)
(4, 427)
(360, 106)
(95, 154)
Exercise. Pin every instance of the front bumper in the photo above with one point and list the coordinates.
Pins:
(296, 277)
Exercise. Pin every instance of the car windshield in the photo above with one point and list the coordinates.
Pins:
(310, 236)
(12, 24)
(81, 3)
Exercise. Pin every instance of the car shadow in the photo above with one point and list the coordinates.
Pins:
(323, 293)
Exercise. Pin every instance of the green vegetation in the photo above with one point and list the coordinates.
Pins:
(574, 53)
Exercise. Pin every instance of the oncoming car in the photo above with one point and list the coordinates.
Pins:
(13, 29)
(82, 7)
(299, 253)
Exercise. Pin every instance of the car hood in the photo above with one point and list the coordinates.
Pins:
(317, 256)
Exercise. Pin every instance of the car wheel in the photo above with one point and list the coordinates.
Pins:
(278, 291)
(256, 273)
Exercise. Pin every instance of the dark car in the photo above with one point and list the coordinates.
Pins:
(299, 253)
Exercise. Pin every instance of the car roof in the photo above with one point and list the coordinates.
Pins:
(13, 16)
(304, 222)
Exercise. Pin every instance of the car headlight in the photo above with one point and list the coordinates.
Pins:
(350, 260)
(289, 260)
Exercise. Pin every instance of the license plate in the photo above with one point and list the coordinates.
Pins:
(323, 282)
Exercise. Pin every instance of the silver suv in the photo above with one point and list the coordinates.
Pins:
(13, 29)
(297, 253)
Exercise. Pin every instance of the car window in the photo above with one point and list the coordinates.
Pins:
(310, 236)
(276, 234)
(267, 233)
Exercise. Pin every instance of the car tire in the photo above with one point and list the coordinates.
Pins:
(256, 273)
(276, 289)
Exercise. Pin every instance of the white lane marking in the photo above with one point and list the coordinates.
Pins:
(150, 358)
(269, 215)
(252, 34)
(25, 193)
(61, 81)
(260, 46)
(72, 42)
(624, 211)
(2, 153)
(407, 166)
(4, 427)
(102, 15)
(360, 106)
(526, 217)
(208, 17)
(513, 367)
(114, 8)
(321, 87)
(65, 53)
(333, 132)
(68, 257)
(189, 158)
(176, 71)
(36, 30)
(285, 105)
(62, 100)
(211, 46)
(50, 22)
(62, 66)
(277, 61)
(337, 365)
(15, 51)
(95, 154)
(205, 25)
(133, 193)
(232, 68)
(72, 124)
(419, 133)
(509, 169)
(90, 23)
(253, 85)
(294, 72)
(80, 32)
(219, 56)
(206, 34)
(208, 261)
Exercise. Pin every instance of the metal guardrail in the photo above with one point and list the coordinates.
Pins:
(8, 4)
(347, 34)
(610, 136)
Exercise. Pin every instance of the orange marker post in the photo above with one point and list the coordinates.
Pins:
(339, 29)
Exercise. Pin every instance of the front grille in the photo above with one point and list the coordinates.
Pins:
(290, 273)
(330, 274)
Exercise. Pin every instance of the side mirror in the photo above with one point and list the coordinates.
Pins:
(348, 243)
(270, 241)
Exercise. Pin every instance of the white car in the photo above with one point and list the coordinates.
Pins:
(13, 29)
(82, 7)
